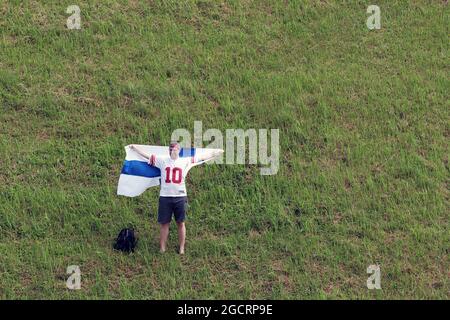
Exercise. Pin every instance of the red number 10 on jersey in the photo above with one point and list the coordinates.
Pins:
(177, 175)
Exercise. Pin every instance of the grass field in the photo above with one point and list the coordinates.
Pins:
(364, 129)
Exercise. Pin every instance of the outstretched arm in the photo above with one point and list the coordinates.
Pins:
(209, 155)
(138, 150)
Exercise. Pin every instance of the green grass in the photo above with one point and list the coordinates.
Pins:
(364, 129)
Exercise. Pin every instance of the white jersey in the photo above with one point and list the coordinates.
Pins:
(173, 174)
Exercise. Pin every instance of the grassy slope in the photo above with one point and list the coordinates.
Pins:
(363, 118)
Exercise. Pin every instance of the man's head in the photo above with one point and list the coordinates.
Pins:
(174, 149)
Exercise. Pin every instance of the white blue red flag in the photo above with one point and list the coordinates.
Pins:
(137, 175)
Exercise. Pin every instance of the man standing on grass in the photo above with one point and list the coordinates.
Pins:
(173, 196)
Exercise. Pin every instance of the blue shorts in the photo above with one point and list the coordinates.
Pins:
(172, 205)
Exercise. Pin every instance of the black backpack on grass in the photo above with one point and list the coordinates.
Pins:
(126, 240)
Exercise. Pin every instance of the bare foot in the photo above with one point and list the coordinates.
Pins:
(181, 251)
(162, 250)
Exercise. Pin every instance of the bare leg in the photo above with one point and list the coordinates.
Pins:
(163, 235)
(181, 235)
